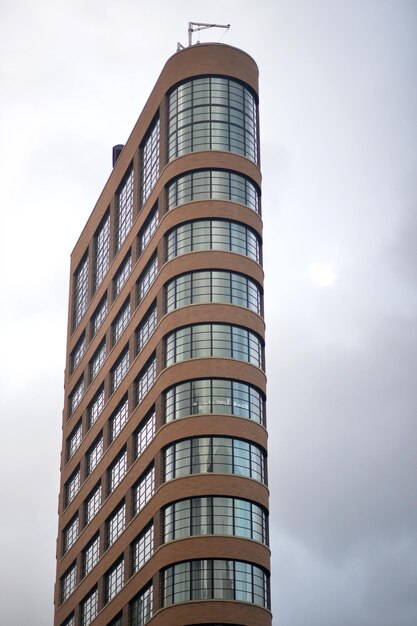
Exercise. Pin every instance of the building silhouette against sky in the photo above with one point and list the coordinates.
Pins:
(163, 509)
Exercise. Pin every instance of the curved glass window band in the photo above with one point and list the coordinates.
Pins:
(213, 185)
(215, 515)
(212, 579)
(213, 235)
(213, 340)
(212, 113)
(213, 286)
(222, 455)
(216, 396)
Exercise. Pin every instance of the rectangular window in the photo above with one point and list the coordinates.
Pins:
(124, 209)
(98, 359)
(119, 419)
(145, 381)
(142, 607)
(114, 580)
(99, 316)
(148, 229)
(144, 491)
(80, 291)
(93, 504)
(142, 548)
(68, 582)
(122, 275)
(115, 525)
(78, 353)
(121, 321)
(74, 440)
(102, 252)
(91, 555)
(147, 278)
(94, 454)
(149, 162)
(96, 407)
(146, 328)
(76, 396)
(70, 534)
(72, 486)
(89, 608)
(120, 369)
(145, 435)
(117, 471)
(70, 621)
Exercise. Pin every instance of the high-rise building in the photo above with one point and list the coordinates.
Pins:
(163, 509)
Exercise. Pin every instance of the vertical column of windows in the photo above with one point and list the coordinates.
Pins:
(117, 471)
(124, 217)
(80, 291)
(119, 419)
(102, 252)
(74, 440)
(141, 607)
(122, 274)
(145, 381)
(70, 534)
(148, 229)
(99, 316)
(78, 352)
(142, 548)
(116, 525)
(93, 504)
(146, 328)
(98, 359)
(120, 369)
(150, 162)
(114, 580)
(89, 608)
(147, 278)
(144, 491)
(121, 321)
(96, 407)
(91, 555)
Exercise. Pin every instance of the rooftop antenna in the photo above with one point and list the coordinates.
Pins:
(196, 26)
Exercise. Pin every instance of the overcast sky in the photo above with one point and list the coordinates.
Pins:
(338, 131)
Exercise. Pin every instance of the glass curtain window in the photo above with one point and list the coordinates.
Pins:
(215, 579)
(213, 185)
(213, 235)
(213, 286)
(213, 340)
(214, 395)
(214, 516)
(102, 252)
(149, 162)
(212, 113)
(124, 211)
(222, 455)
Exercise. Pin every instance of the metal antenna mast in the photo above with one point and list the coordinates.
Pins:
(196, 26)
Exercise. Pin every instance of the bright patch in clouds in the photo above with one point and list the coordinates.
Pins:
(322, 274)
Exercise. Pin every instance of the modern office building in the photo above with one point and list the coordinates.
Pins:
(163, 508)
